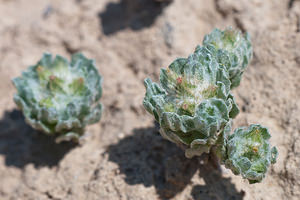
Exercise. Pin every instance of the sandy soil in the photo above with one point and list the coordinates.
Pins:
(123, 156)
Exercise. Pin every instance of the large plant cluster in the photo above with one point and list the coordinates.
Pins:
(194, 105)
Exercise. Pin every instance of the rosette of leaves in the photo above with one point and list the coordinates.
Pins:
(192, 101)
(194, 107)
(232, 49)
(249, 152)
(59, 97)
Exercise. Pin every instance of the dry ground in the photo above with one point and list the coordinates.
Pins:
(123, 156)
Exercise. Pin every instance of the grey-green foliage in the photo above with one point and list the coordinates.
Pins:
(59, 97)
(232, 50)
(192, 101)
(249, 152)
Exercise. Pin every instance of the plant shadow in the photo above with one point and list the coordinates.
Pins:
(216, 186)
(133, 14)
(21, 145)
(147, 158)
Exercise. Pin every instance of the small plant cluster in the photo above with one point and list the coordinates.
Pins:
(60, 98)
(194, 105)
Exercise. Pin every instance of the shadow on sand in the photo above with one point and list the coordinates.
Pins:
(146, 158)
(133, 14)
(216, 186)
(21, 145)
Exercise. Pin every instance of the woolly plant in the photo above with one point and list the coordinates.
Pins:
(249, 152)
(59, 97)
(232, 50)
(194, 105)
(193, 101)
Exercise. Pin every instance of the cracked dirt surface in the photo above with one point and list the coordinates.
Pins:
(123, 156)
